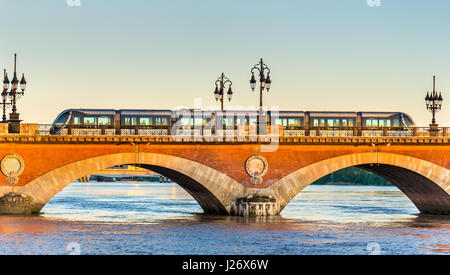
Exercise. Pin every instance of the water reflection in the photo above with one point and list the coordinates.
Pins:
(161, 218)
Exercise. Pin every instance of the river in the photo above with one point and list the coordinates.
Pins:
(161, 218)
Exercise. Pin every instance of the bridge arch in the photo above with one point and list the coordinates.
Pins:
(213, 190)
(426, 184)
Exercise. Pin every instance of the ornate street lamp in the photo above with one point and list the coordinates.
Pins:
(221, 82)
(14, 95)
(433, 102)
(264, 83)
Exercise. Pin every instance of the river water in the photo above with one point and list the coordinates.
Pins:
(161, 218)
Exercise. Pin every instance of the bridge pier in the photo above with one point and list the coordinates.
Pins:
(255, 205)
(16, 204)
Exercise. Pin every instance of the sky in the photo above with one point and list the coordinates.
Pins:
(333, 55)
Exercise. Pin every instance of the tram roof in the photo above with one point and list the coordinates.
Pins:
(146, 112)
(104, 112)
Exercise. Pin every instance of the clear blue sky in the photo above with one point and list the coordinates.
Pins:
(324, 54)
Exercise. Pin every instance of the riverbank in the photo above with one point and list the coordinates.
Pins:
(354, 184)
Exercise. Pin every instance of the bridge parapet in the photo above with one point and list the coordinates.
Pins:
(26, 129)
(131, 140)
(248, 131)
(3, 128)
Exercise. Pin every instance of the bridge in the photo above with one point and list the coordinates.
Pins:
(234, 177)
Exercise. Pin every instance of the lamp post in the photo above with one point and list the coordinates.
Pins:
(221, 82)
(433, 102)
(264, 83)
(14, 94)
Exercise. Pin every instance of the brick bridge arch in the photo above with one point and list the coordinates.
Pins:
(426, 184)
(213, 190)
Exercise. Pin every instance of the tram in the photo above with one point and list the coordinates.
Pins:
(160, 122)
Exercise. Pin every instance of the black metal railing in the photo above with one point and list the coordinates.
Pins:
(239, 131)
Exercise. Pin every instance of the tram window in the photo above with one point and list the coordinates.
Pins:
(396, 122)
(198, 121)
(344, 122)
(384, 123)
(281, 121)
(186, 121)
(128, 120)
(316, 122)
(333, 122)
(77, 120)
(241, 121)
(294, 122)
(322, 122)
(409, 122)
(158, 120)
(164, 121)
(253, 121)
(330, 123)
(104, 120)
(144, 121)
(227, 121)
(350, 122)
(89, 120)
(371, 122)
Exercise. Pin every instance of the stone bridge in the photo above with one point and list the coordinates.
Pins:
(236, 178)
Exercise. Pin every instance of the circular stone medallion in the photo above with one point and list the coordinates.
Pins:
(12, 166)
(256, 166)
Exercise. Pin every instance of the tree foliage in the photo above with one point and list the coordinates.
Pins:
(353, 176)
